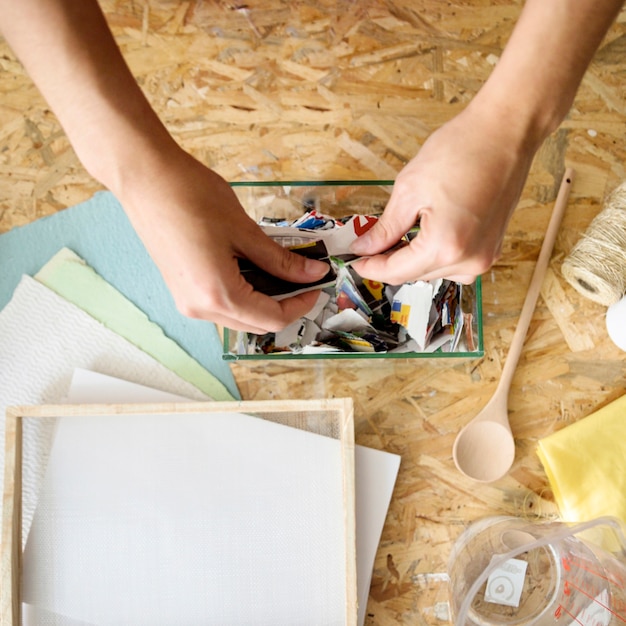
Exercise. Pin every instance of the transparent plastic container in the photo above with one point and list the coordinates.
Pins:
(510, 571)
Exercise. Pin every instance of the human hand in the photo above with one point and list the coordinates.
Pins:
(463, 187)
(195, 229)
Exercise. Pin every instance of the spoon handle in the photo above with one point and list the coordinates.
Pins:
(535, 284)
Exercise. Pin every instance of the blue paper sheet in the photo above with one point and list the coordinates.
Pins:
(99, 232)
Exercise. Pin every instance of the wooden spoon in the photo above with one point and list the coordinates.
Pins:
(484, 449)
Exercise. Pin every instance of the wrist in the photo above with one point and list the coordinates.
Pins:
(526, 114)
(126, 150)
(510, 128)
(536, 79)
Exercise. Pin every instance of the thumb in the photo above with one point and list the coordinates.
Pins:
(386, 232)
(282, 263)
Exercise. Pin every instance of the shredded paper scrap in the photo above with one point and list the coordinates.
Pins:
(354, 314)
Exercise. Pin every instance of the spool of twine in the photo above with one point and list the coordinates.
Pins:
(596, 266)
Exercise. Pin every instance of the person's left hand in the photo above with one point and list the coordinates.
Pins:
(195, 230)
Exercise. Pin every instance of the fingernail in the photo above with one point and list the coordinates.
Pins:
(316, 269)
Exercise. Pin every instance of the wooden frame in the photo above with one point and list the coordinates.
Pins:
(335, 420)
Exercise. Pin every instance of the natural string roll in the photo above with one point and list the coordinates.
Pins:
(596, 266)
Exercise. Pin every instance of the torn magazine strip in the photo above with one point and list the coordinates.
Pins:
(278, 288)
(354, 314)
(325, 243)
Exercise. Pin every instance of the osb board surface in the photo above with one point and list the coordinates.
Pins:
(349, 90)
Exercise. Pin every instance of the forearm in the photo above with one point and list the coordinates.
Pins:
(536, 79)
(69, 52)
(187, 216)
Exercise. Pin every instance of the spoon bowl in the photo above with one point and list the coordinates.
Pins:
(485, 449)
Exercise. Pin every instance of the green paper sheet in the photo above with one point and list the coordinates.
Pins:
(71, 278)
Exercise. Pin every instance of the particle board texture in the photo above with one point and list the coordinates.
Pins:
(325, 90)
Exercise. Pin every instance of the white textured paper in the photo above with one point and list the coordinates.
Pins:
(42, 339)
(189, 519)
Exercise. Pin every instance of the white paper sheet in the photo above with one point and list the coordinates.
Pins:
(219, 518)
(89, 387)
(42, 339)
(375, 470)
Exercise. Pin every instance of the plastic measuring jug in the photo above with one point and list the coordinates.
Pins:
(506, 570)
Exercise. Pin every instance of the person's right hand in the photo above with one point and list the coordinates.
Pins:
(462, 186)
(195, 229)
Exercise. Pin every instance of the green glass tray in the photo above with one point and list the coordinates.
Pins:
(289, 200)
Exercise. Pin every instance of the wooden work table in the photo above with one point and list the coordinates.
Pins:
(301, 91)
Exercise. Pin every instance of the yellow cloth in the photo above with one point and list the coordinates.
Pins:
(586, 465)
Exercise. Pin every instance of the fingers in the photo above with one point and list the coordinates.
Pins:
(282, 263)
(388, 230)
(239, 307)
(272, 315)
(401, 266)
(261, 314)
(404, 266)
(464, 279)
